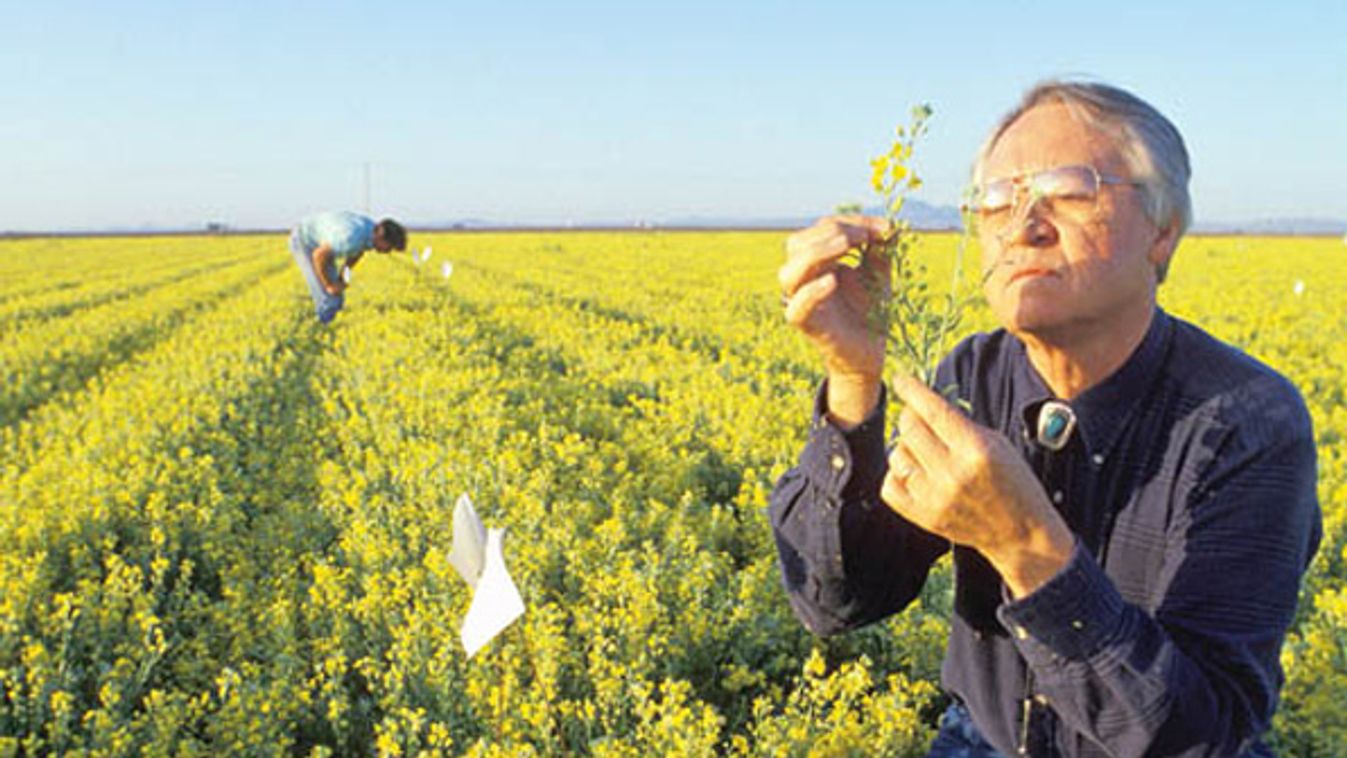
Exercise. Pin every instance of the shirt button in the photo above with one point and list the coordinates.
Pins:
(1057, 497)
(1077, 624)
(839, 462)
(1098, 459)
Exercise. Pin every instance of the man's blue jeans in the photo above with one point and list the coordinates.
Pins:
(958, 738)
(325, 304)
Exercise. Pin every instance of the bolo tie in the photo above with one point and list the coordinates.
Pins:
(1056, 421)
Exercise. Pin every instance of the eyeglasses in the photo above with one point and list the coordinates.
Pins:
(1071, 191)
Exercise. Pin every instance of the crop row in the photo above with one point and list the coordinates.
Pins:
(224, 528)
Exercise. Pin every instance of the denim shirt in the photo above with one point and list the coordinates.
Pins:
(1189, 483)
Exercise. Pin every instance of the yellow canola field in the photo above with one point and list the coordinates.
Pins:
(224, 528)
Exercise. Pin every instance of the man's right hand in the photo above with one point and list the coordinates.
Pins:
(830, 303)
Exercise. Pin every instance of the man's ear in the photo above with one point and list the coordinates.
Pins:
(1163, 245)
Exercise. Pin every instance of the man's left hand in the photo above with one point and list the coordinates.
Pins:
(968, 484)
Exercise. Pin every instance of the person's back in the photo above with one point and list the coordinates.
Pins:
(346, 233)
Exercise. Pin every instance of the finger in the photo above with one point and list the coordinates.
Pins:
(875, 264)
(894, 493)
(862, 230)
(915, 437)
(802, 306)
(901, 464)
(878, 230)
(813, 250)
(904, 496)
(878, 226)
(939, 416)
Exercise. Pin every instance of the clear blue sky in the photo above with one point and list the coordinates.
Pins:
(175, 113)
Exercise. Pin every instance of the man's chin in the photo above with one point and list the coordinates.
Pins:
(1034, 319)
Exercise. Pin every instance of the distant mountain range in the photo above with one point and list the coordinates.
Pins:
(1273, 226)
(924, 216)
(920, 215)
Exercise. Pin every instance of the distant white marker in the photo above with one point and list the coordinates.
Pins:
(1299, 289)
(447, 269)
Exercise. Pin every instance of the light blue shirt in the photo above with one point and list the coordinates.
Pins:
(346, 233)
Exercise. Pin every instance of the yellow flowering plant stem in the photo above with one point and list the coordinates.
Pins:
(916, 322)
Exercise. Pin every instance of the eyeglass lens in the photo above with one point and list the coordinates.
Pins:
(1065, 187)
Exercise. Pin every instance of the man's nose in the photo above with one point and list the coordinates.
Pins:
(1032, 227)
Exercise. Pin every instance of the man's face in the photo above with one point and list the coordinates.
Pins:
(1056, 274)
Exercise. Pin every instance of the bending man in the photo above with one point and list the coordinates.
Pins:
(326, 243)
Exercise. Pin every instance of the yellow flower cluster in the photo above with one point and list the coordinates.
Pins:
(224, 528)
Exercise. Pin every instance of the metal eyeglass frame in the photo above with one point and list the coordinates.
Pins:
(1028, 182)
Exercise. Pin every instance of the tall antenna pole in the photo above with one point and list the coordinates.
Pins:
(366, 188)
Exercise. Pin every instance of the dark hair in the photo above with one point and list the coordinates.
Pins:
(393, 232)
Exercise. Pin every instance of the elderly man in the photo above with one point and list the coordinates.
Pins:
(1130, 503)
(326, 243)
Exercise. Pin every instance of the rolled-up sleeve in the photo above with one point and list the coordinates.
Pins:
(846, 559)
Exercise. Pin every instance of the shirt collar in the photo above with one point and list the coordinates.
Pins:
(1102, 410)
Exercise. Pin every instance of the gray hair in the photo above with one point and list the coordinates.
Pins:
(1149, 143)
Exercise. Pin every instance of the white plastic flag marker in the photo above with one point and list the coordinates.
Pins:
(478, 558)
(469, 538)
(346, 274)
(447, 269)
(425, 253)
(1299, 289)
